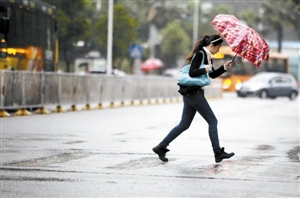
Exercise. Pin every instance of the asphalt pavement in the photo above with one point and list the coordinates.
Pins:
(108, 153)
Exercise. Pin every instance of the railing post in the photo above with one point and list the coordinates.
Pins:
(23, 111)
(100, 105)
(3, 113)
(42, 109)
(87, 92)
(59, 108)
(112, 100)
(73, 107)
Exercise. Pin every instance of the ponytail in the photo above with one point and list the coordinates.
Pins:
(214, 39)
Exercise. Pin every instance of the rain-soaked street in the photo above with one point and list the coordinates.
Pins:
(107, 153)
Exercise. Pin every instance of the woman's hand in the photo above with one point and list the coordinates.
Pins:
(207, 68)
(228, 65)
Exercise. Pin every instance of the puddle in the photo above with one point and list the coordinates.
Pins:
(74, 142)
(294, 154)
(224, 168)
(119, 134)
(146, 162)
(46, 161)
(229, 167)
(153, 127)
(7, 151)
(39, 179)
(264, 148)
(213, 169)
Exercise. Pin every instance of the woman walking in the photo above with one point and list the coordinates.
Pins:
(194, 100)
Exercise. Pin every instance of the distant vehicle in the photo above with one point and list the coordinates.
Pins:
(96, 65)
(90, 65)
(270, 85)
(172, 72)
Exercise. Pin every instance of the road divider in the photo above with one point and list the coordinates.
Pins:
(23, 91)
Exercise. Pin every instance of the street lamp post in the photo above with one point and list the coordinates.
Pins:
(110, 37)
(196, 19)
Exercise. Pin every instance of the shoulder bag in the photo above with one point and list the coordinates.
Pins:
(186, 80)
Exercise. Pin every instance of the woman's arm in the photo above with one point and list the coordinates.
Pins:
(195, 64)
(220, 70)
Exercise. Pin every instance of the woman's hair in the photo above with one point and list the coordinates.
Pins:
(214, 39)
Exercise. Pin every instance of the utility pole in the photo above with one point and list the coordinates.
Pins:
(299, 66)
(196, 19)
(110, 36)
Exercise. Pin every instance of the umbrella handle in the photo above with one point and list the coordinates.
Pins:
(233, 58)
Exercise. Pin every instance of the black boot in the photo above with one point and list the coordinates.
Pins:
(161, 152)
(221, 154)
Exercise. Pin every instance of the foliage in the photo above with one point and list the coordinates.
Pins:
(293, 16)
(161, 14)
(72, 25)
(251, 18)
(124, 34)
(140, 11)
(297, 4)
(206, 18)
(79, 20)
(175, 43)
(278, 14)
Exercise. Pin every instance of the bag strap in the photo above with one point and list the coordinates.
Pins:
(202, 59)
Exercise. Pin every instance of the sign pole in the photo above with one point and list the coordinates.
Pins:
(136, 53)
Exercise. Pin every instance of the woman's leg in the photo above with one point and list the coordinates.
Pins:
(187, 117)
(201, 105)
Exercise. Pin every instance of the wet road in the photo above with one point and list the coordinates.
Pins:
(107, 153)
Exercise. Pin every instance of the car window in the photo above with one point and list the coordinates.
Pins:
(286, 80)
(275, 80)
(258, 78)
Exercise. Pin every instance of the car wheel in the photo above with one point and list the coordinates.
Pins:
(263, 94)
(293, 95)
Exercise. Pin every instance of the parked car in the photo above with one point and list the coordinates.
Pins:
(270, 85)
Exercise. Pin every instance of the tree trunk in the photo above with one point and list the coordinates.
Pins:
(66, 59)
(279, 37)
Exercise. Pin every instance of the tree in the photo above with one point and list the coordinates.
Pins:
(274, 18)
(139, 10)
(72, 25)
(124, 34)
(206, 19)
(251, 18)
(293, 16)
(278, 14)
(297, 4)
(175, 43)
(157, 12)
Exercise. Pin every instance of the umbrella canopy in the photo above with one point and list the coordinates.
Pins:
(151, 64)
(242, 39)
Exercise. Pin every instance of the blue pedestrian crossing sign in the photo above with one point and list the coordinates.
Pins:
(136, 51)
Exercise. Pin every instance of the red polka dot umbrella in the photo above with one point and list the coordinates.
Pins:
(242, 39)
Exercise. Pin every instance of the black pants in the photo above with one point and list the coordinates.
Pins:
(195, 102)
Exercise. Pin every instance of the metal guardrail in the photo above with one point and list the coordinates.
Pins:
(22, 90)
